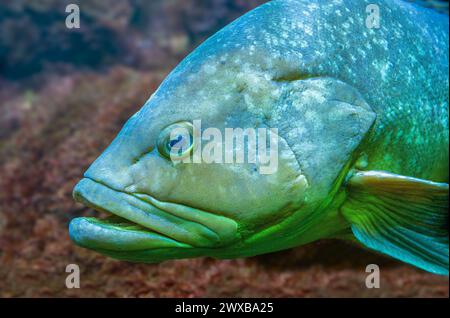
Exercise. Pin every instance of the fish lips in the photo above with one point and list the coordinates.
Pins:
(141, 222)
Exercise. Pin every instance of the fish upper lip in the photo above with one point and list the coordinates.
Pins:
(185, 225)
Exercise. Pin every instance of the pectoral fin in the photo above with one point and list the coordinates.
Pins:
(405, 218)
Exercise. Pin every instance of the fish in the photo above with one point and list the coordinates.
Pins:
(356, 95)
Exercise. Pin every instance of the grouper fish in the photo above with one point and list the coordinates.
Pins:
(361, 116)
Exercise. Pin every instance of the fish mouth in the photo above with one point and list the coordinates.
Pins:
(140, 222)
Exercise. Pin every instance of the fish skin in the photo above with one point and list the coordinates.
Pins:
(377, 94)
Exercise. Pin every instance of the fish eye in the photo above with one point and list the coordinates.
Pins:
(176, 141)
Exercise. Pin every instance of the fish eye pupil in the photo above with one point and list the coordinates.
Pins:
(180, 143)
(175, 141)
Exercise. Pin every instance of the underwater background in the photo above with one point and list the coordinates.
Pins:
(64, 95)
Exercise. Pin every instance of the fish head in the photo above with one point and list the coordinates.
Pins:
(164, 202)
(168, 204)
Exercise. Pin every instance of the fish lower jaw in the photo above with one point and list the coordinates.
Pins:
(117, 234)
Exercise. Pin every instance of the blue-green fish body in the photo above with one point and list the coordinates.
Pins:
(361, 112)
